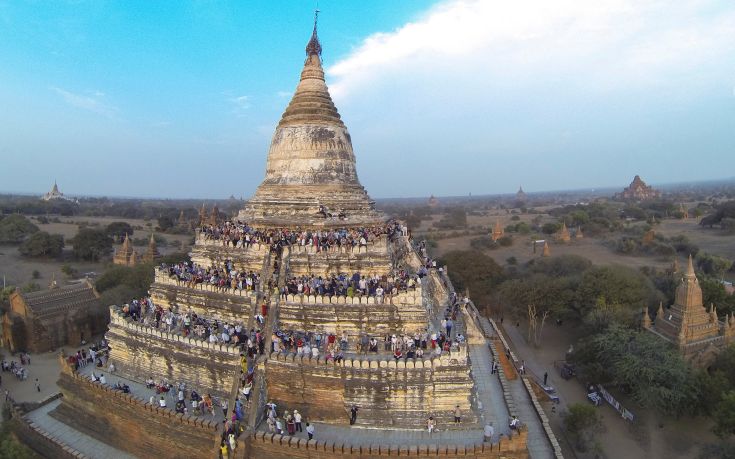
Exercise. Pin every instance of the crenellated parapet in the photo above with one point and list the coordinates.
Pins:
(276, 446)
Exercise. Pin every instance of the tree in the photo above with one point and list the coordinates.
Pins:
(724, 415)
(165, 223)
(15, 229)
(641, 364)
(582, 422)
(42, 244)
(617, 285)
(91, 244)
(118, 230)
(474, 271)
(713, 265)
(119, 284)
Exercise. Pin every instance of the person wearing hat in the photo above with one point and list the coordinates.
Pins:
(297, 420)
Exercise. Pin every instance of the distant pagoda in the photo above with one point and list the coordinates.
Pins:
(521, 195)
(126, 254)
(497, 231)
(55, 194)
(638, 191)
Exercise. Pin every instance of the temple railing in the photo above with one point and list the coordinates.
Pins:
(378, 244)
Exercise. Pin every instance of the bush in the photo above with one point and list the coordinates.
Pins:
(505, 241)
(36, 274)
(91, 244)
(42, 244)
(582, 422)
(15, 229)
(69, 271)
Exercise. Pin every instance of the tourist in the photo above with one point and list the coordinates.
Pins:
(233, 442)
(290, 425)
(515, 423)
(353, 414)
(162, 402)
(279, 426)
(297, 420)
(310, 430)
(247, 390)
(489, 431)
(271, 424)
(457, 415)
(38, 386)
(431, 424)
(223, 452)
(102, 379)
(224, 405)
(546, 377)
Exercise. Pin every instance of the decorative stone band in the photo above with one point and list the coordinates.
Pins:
(457, 357)
(117, 320)
(162, 277)
(412, 297)
(266, 442)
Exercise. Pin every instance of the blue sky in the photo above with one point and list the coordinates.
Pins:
(179, 99)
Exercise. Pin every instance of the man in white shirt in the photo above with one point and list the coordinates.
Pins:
(489, 431)
(162, 402)
(310, 430)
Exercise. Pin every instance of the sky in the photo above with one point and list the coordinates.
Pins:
(180, 99)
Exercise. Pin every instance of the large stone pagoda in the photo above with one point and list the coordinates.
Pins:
(310, 185)
(638, 191)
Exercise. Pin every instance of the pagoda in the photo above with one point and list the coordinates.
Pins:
(696, 331)
(151, 254)
(563, 234)
(638, 191)
(521, 195)
(497, 232)
(126, 254)
(310, 223)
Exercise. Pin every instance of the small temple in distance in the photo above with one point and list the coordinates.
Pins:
(638, 191)
(55, 194)
(696, 331)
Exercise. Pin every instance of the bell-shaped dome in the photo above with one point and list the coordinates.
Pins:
(311, 170)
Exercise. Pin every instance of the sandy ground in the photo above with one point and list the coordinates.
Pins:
(45, 367)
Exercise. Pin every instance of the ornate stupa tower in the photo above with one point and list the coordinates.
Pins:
(310, 176)
(695, 330)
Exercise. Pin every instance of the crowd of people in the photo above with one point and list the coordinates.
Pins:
(18, 369)
(240, 234)
(97, 354)
(189, 323)
(225, 277)
(352, 285)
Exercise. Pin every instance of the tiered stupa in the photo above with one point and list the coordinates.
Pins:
(563, 234)
(696, 331)
(297, 227)
(311, 175)
(126, 254)
(151, 254)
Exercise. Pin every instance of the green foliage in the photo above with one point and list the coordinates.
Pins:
(582, 422)
(42, 244)
(15, 229)
(91, 244)
(119, 284)
(713, 292)
(712, 264)
(10, 447)
(550, 228)
(30, 287)
(616, 285)
(724, 415)
(505, 241)
(722, 450)
(166, 222)
(454, 218)
(118, 230)
(641, 364)
(562, 265)
(511, 261)
(68, 270)
(36, 274)
(473, 270)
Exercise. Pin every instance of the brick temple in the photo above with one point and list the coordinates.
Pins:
(310, 185)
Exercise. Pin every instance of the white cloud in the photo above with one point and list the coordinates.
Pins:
(284, 94)
(93, 102)
(602, 44)
(240, 104)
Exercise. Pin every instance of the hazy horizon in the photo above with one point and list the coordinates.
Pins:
(443, 97)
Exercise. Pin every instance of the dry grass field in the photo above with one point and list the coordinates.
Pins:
(18, 270)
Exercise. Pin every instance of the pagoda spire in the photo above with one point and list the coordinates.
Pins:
(314, 47)
(690, 269)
